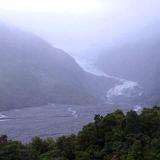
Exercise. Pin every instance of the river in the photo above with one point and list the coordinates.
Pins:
(50, 120)
(57, 119)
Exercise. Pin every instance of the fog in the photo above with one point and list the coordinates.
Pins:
(112, 63)
(84, 28)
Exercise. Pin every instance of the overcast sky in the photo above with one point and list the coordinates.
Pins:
(84, 26)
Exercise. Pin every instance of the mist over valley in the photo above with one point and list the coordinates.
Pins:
(66, 62)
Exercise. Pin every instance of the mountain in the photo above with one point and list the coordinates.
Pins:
(32, 72)
(137, 62)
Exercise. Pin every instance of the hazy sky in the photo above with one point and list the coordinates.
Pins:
(58, 6)
(84, 26)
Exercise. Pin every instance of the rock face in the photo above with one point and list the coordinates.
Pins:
(137, 62)
(32, 72)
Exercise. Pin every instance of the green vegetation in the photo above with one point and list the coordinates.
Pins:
(117, 136)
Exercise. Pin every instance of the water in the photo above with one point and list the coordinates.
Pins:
(73, 112)
(3, 117)
(137, 108)
(56, 120)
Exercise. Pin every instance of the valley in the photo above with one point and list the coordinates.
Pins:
(50, 120)
(121, 91)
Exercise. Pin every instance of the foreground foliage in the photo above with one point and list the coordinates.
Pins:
(117, 136)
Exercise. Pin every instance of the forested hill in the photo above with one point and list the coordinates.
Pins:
(116, 136)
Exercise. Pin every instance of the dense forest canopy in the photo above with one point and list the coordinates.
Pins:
(116, 136)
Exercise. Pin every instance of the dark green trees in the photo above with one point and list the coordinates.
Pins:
(117, 136)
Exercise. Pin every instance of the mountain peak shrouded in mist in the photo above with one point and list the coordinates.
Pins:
(88, 31)
(64, 61)
(35, 73)
(93, 27)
